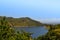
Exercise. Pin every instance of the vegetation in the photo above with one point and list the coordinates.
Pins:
(53, 34)
(8, 33)
(22, 22)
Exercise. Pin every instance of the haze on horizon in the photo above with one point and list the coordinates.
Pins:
(42, 10)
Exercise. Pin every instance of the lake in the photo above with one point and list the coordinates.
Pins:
(37, 31)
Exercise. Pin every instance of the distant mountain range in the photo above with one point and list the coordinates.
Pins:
(24, 21)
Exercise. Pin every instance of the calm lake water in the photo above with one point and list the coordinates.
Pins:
(37, 31)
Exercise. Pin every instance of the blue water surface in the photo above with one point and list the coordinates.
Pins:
(37, 31)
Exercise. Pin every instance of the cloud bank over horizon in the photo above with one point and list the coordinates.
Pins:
(50, 21)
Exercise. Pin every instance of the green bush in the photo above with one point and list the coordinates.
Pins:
(8, 33)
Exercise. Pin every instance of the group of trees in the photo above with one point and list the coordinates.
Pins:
(8, 33)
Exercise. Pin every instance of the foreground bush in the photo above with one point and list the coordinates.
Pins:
(8, 33)
(53, 34)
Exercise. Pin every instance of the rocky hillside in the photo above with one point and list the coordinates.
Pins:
(24, 21)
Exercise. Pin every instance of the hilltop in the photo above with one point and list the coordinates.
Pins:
(23, 21)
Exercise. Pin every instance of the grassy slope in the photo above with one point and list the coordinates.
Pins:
(24, 21)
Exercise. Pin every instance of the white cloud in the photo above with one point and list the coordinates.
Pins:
(51, 20)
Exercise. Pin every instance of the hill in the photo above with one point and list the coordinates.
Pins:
(24, 21)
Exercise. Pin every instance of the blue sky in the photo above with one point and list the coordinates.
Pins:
(35, 9)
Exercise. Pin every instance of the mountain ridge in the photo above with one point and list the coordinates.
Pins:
(23, 21)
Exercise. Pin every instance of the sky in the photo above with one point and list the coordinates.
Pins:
(41, 10)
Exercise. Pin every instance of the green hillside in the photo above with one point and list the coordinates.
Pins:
(24, 21)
